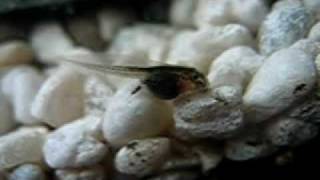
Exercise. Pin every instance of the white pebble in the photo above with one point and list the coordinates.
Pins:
(283, 27)
(181, 12)
(317, 61)
(22, 146)
(230, 94)
(15, 52)
(142, 157)
(6, 118)
(61, 98)
(135, 113)
(98, 95)
(308, 110)
(203, 116)
(290, 132)
(212, 13)
(28, 172)
(309, 46)
(233, 69)
(7, 78)
(314, 33)
(251, 145)
(49, 40)
(150, 39)
(285, 3)
(76, 144)
(110, 21)
(249, 13)
(91, 173)
(288, 74)
(21, 85)
(182, 51)
(199, 48)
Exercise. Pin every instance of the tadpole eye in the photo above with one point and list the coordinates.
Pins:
(198, 79)
(195, 76)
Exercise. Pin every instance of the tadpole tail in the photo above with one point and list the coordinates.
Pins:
(102, 69)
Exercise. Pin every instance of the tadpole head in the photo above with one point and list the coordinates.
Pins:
(198, 80)
(192, 80)
(170, 84)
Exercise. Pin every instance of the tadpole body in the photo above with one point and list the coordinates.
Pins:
(165, 81)
(163, 84)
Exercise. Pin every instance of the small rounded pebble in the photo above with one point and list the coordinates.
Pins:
(15, 52)
(284, 26)
(98, 95)
(251, 145)
(234, 68)
(149, 39)
(23, 145)
(76, 144)
(314, 33)
(249, 13)
(51, 32)
(182, 51)
(285, 3)
(230, 94)
(142, 157)
(288, 74)
(92, 173)
(212, 13)
(21, 85)
(290, 132)
(7, 77)
(135, 113)
(308, 110)
(65, 88)
(199, 48)
(317, 61)
(203, 116)
(28, 172)
(204, 157)
(222, 12)
(309, 46)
